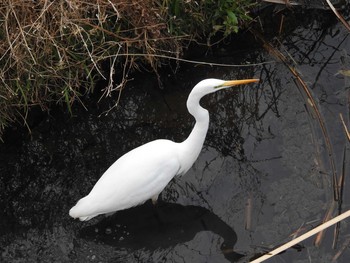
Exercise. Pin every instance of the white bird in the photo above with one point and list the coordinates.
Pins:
(144, 172)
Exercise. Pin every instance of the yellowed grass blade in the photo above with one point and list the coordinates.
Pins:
(347, 26)
(345, 127)
(328, 216)
(341, 250)
(302, 237)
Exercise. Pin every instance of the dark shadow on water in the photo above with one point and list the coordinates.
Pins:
(160, 227)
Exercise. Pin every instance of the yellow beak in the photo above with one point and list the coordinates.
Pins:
(230, 83)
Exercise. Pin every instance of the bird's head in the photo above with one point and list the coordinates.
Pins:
(208, 86)
(212, 85)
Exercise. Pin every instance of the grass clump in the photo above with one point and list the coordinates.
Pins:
(54, 51)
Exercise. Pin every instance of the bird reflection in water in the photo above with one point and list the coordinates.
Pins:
(160, 228)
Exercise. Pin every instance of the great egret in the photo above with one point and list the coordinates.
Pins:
(143, 173)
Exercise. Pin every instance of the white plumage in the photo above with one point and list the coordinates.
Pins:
(144, 172)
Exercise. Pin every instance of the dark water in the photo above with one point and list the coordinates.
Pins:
(264, 172)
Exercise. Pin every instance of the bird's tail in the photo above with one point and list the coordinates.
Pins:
(82, 210)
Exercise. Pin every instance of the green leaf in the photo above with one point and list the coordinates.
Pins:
(232, 17)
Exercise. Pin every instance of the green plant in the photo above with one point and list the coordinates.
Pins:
(229, 14)
(207, 17)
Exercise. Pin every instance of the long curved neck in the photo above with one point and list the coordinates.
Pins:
(191, 147)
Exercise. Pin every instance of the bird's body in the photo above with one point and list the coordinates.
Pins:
(144, 172)
(114, 192)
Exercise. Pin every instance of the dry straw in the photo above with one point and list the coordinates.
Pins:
(302, 237)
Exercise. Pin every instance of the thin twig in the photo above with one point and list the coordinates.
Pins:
(88, 51)
(340, 201)
(189, 61)
(22, 33)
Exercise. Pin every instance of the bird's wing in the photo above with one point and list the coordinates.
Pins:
(136, 177)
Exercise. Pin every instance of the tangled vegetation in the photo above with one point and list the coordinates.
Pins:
(54, 51)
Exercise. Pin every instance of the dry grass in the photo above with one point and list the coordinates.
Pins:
(53, 51)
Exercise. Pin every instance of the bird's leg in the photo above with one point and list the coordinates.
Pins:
(156, 210)
(154, 200)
